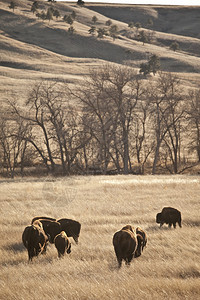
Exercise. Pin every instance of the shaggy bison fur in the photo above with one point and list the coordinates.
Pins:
(169, 216)
(71, 227)
(62, 244)
(35, 240)
(126, 244)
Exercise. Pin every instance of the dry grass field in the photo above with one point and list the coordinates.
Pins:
(169, 267)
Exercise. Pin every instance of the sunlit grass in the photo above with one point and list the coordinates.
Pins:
(168, 268)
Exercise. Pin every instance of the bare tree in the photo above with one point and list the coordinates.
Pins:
(193, 115)
(12, 132)
(55, 128)
(165, 98)
(143, 144)
(109, 98)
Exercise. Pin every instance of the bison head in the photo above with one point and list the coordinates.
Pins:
(52, 229)
(159, 218)
(138, 251)
(69, 249)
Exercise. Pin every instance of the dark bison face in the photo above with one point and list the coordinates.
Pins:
(52, 229)
(158, 218)
(69, 249)
(138, 251)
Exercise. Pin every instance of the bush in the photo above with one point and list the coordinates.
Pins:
(174, 46)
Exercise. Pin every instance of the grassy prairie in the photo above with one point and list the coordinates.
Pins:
(168, 268)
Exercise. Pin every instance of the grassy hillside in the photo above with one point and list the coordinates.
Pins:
(167, 269)
(32, 49)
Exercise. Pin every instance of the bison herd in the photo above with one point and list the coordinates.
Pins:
(45, 229)
(129, 242)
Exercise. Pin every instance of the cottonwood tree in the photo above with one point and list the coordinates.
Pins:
(34, 7)
(73, 15)
(174, 122)
(12, 5)
(166, 114)
(110, 98)
(94, 19)
(92, 30)
(143, 37)
(49, 14)
(108, 22)
(56, 132)
(142, 145)
(174, 46)
(12, 142)
(56, 13)
(193, 117)
(101, 32)
(113, 30)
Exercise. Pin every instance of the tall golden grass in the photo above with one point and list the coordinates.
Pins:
(169, 267)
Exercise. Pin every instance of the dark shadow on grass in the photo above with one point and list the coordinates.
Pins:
(192, 223)
(189, 274)
(16, 247)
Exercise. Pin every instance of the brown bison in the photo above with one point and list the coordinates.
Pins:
(143, 234)
(71, 227)
(62, 244)
(169, 216)
(42, 218)
(35, 240)
(127, 245)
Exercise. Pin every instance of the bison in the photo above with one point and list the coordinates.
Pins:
(35, 240)
(169, 215)
(143, 234)
(127, 244)
(71, 227)
(62, 244)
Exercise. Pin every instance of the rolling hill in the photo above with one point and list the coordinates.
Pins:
(34, 49)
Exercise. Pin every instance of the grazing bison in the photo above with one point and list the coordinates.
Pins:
(126, 245)
(169, 216)
(143, 234)
(35, 240)
(62, 244)
(71, 227)
(42, 218)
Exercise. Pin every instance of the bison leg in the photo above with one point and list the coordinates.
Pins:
(170, 225)
(161, 224)
(174, 224)
(179, 223)
(119, 262)
(129, 259)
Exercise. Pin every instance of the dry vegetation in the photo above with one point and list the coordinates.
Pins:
(168, 268)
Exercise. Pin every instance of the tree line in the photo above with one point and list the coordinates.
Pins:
(116, 122)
